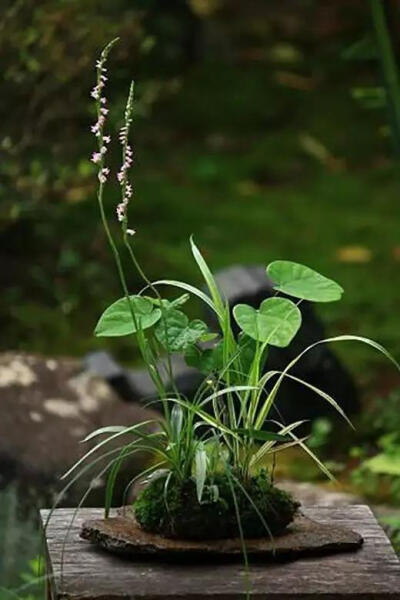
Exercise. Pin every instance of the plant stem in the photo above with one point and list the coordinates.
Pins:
(389, 67)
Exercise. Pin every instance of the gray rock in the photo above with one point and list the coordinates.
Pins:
(48, 406)
(122, 535)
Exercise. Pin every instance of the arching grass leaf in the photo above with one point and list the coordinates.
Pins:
(176, 421)
(169, 304)
(302, 282)
(263, 436)
(188, 288)
(208, 277)
(117, 319)
(275, 322)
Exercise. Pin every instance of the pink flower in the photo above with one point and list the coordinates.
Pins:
(103, 174)
(106, 139)
(96, 157)
(95, 93)
(121, 210)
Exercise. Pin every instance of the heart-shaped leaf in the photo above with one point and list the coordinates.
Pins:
(302, 282)
(176, 333)
(117, 320)
(275, 322)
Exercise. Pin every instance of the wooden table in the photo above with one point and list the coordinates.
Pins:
(90, 574)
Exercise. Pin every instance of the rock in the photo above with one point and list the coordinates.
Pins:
(47, 407)
(136, 385)
(311, 494)
(122, 535)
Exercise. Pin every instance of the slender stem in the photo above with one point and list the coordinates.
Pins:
(162, 308)
(389, 66)
(153, 374)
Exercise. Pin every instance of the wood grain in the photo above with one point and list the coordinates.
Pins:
(79, 571)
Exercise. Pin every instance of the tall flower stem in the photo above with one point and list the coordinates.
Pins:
(122, 213)
(99, 158)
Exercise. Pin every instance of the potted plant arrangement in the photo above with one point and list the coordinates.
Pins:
(211, 473)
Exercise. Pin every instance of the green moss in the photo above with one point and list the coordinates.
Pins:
(174, 511)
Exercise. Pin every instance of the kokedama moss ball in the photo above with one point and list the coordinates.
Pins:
(175, 512)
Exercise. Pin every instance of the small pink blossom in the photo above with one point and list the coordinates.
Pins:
(96, 157)
(103, 174)
(121, 210)
(107, 139)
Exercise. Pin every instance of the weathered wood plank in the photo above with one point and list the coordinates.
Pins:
(82, 572)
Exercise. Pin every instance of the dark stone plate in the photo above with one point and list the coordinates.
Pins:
(122, 535)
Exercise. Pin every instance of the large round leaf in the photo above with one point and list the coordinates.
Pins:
(117, 320)
(302, 282)
(275, 322)
(176, 333)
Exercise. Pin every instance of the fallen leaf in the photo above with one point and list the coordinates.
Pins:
(354, 254)
(295, 81)
(247, 187)
(315, 148)
(396, 253)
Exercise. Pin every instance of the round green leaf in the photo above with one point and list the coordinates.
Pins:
(117, 320)
(275, 322)
(176, 333)
(302, 282)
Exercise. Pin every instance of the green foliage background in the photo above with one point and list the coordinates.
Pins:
(246, 134)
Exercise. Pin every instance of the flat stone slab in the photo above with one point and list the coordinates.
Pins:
(123, 535)
(78, 570)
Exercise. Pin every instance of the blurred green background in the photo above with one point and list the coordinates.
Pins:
(247, 133)
(260, 127)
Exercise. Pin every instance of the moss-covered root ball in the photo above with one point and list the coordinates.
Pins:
(174, 511)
